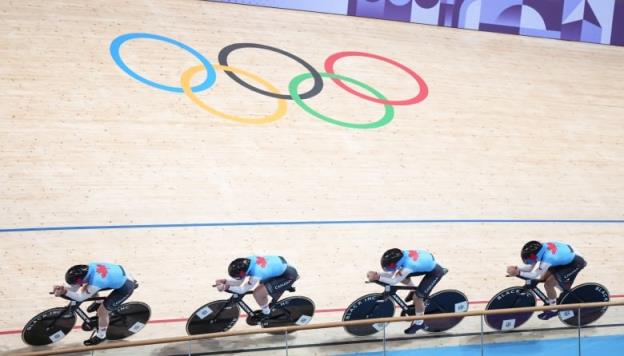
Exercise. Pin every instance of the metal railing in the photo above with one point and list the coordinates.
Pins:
(289, 329)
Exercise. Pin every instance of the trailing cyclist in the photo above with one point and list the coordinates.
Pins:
(84, 281)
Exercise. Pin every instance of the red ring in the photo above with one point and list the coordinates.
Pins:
(424, 91)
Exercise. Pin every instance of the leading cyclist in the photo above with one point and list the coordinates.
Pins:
(555, 263)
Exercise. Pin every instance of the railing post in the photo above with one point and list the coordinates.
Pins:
(190, 350)
(579, 330)
(384, 338)
(482, 346)
(286, 341)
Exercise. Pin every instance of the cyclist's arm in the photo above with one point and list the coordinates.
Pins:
(80, 294)
(526, 268)
(234, 282)
(537, 273)
(394, 278)
(245, 287)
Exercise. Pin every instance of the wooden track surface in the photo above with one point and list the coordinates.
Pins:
(512, 128)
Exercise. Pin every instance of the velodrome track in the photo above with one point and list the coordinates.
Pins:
(516, 138)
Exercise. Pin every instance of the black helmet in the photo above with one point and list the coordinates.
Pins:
(76, 274)
(390, 258)
(529, 251)
(238, 268)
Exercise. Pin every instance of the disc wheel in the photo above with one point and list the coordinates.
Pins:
(213, 317)
(370, 306)
(513, 297)
(127, 320)
(48, 327)
(446, 301)
(584, 293)
(290, 311)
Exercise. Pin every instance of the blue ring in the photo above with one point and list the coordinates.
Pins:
(211, 75)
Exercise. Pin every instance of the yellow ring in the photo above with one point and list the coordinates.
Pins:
(186, 86)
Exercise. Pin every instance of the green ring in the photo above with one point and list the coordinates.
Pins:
(294, 86)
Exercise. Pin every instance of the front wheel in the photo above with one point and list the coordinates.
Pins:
(446, 301)
(127, 320)
(513, 297)
(584, 293)
(217, 316)
(49, 326)
(370, 306)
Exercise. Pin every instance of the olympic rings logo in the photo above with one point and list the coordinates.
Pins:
(268, 89)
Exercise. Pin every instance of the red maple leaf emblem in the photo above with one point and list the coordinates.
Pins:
(102, 270)
(261, 261)
(552, 247)
(413, 255)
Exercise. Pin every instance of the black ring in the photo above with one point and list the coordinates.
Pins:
(318, 81)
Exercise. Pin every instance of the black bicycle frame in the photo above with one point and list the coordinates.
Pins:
(390, 292)
(74, 308)
(238, 299)
(532, 286)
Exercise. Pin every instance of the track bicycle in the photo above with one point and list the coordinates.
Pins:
(382, 305)
(54, 324)
(525, 296)
(221, 315)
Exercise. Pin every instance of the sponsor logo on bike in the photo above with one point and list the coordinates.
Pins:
(509, 292)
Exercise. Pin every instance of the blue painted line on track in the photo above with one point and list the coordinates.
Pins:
(594, 345)
(310, 222)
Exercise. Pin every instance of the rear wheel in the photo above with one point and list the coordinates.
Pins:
(49, 326)
(446, 301)
(370, 306)
(127, 320)
(217, 316)
(514, 297)
(290, 311)
(584, 293)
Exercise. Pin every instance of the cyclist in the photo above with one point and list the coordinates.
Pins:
(554, 263)
(272, 273)
(84, 281)
(400, 266)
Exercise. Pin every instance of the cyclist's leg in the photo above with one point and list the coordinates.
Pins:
(419, 305)
(429, 281)
(111, 303)
(278, 285)
(565, 275)
(408, 281)
(422, 292)
(103, 320)
(550, 283)
(274, 287)
(261, 296)
(118, 296)
(560, 277)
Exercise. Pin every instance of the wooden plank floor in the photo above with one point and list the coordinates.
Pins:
(512, 128)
